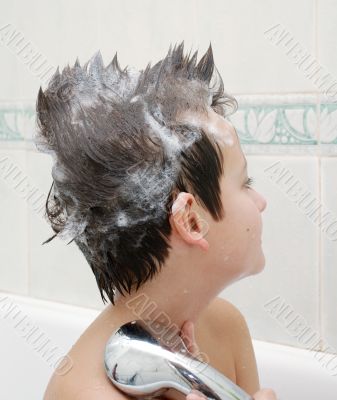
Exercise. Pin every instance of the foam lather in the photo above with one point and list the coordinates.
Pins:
(145, 364)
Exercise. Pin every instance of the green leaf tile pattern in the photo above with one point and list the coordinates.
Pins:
(279, 124)
(16, 123)
(258, 124)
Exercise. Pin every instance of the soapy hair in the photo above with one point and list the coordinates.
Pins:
(121, 156)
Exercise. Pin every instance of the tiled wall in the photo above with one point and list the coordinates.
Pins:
(280, 61)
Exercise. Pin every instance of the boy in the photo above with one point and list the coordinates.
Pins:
(150, 181)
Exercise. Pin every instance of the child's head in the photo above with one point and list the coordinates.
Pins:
(125, 144)
(234, 242)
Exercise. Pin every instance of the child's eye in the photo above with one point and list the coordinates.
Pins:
(249, 182)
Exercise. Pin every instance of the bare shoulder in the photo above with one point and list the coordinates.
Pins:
(86, 379)
(221, 314)
(230, 326)
(225, 308)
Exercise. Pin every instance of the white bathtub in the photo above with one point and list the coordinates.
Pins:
(25, 369)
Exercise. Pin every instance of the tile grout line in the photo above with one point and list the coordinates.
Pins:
(28, 242)
(320, 238)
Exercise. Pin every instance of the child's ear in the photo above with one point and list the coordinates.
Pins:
(187, 222)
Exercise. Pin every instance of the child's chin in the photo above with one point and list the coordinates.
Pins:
(262, 264)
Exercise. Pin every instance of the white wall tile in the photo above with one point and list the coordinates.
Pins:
(326, 40)
(10, 89)
(143, 30)
(247, 60)
(58, 31)
(290, 244)
(329, 252)
(13, 222)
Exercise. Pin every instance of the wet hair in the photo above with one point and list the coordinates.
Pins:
(121, 156)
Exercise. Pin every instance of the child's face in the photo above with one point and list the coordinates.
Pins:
(234, 242)
(237, 238)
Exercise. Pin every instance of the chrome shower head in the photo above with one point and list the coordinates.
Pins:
(145, 364)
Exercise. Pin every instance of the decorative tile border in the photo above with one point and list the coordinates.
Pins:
(266, 124)
(328, 121)
(292, 124)
(276, 120)
(17, 122)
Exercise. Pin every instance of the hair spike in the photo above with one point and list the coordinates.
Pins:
(77, 63)
(206, 66)
(116, 64)
(97, 63)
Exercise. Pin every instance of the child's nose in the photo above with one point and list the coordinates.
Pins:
(260, 201)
